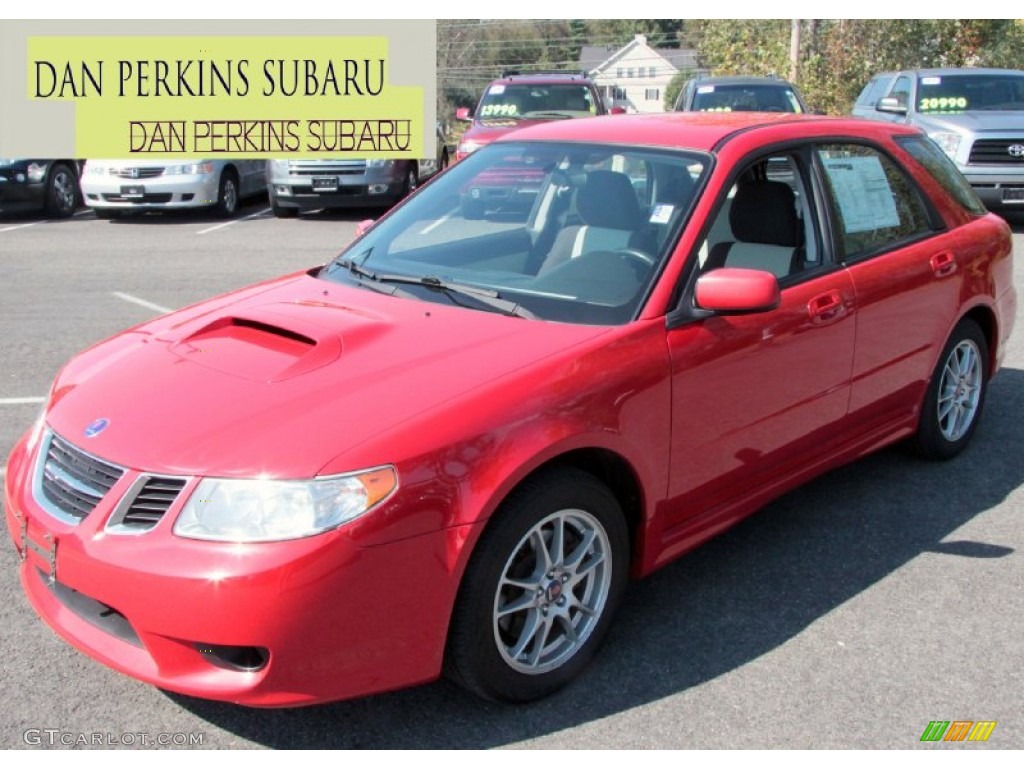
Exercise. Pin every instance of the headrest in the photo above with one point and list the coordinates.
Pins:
(764, 212)
(607, 200)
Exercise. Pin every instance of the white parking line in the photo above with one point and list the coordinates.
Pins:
(142, 302)
(215, 227)
(436, 224)
(22, 226)
(21, 400)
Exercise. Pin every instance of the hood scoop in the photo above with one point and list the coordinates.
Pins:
(268, 347)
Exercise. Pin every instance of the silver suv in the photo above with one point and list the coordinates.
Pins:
(975, 115)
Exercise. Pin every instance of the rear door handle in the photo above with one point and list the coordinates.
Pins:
(943, 264)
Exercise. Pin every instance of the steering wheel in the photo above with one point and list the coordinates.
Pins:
(636, 255)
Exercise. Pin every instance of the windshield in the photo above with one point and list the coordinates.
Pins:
(567, 232)
(539, 101)
(745, 98)
(958, 93)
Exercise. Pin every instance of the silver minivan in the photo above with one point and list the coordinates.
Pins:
(975, 115)
(113, 187)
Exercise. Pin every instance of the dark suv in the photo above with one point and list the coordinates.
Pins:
(739, 94)
(33, 185)
(515, 100)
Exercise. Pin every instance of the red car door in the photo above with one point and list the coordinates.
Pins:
(755, 396)
(905, 273)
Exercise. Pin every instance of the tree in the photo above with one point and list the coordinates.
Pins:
(675, 85)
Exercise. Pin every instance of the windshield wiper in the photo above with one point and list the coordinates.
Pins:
(485, 296)
(562, 115)
(366, 277)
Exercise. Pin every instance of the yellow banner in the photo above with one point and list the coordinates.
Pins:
(244, 96)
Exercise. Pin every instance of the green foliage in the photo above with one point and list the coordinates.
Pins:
(675, 85)
(839, 56)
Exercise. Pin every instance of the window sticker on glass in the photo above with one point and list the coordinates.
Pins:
(497, 90)
(706, 89)
(862, 193)
(931, 81)
(490, 110)
(943, 104)
(661, 213)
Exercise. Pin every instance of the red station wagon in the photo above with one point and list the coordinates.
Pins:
(450, 448)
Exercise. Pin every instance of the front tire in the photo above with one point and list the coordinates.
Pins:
(540, 590)
(227, 196)
(956, 394)
(61, 192)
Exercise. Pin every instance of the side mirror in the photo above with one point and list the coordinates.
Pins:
(463, 114)
(363, 227)
(731, 290)
(892, 105)
(617, 111)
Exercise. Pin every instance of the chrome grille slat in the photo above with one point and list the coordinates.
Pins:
(69, 482)
(142, 173)
(146, 503)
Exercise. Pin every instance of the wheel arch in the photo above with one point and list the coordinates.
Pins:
(985, 317)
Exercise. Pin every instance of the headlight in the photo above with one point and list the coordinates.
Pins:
(374, 163)
(36, 171)
(948, 142)
(280, 167)
(274, 510)
(190, 169)
(95, 170)
(468, 147)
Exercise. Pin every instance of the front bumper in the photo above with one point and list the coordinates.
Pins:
(20, 194)
(315, 619)
(159, 193)
(353, 191)
(997, 187)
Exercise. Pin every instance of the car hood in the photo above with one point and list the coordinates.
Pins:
(281, 378)
(489, 129)
(978, 122)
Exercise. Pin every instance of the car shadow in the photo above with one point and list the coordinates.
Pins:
(246, 207)
(729, 602)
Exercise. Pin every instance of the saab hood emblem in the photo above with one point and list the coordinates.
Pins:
(96, 427)
(1016, 150)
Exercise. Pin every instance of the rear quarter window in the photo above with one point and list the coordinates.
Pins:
(942, 169)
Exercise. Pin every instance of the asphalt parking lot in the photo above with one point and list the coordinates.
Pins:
(850, 613)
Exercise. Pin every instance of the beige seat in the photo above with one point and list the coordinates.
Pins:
(611, 216)
(767, 231)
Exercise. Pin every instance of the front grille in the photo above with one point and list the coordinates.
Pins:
(137, 173)
(71, 481)
(327, 168)
(143, 508)
(996, 152)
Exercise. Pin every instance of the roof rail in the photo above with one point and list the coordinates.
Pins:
(560, 72)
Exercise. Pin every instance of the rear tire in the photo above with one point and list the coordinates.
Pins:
(540, 589)
(956, 394)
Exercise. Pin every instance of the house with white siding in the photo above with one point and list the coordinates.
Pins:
(635, 76)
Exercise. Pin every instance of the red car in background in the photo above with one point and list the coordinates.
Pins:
(448, 449)
(516, 100)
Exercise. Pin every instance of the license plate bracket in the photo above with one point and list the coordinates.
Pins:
(1013, 194)
(47, 551)
(133, 191)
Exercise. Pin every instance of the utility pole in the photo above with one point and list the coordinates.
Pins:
(794, 51)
